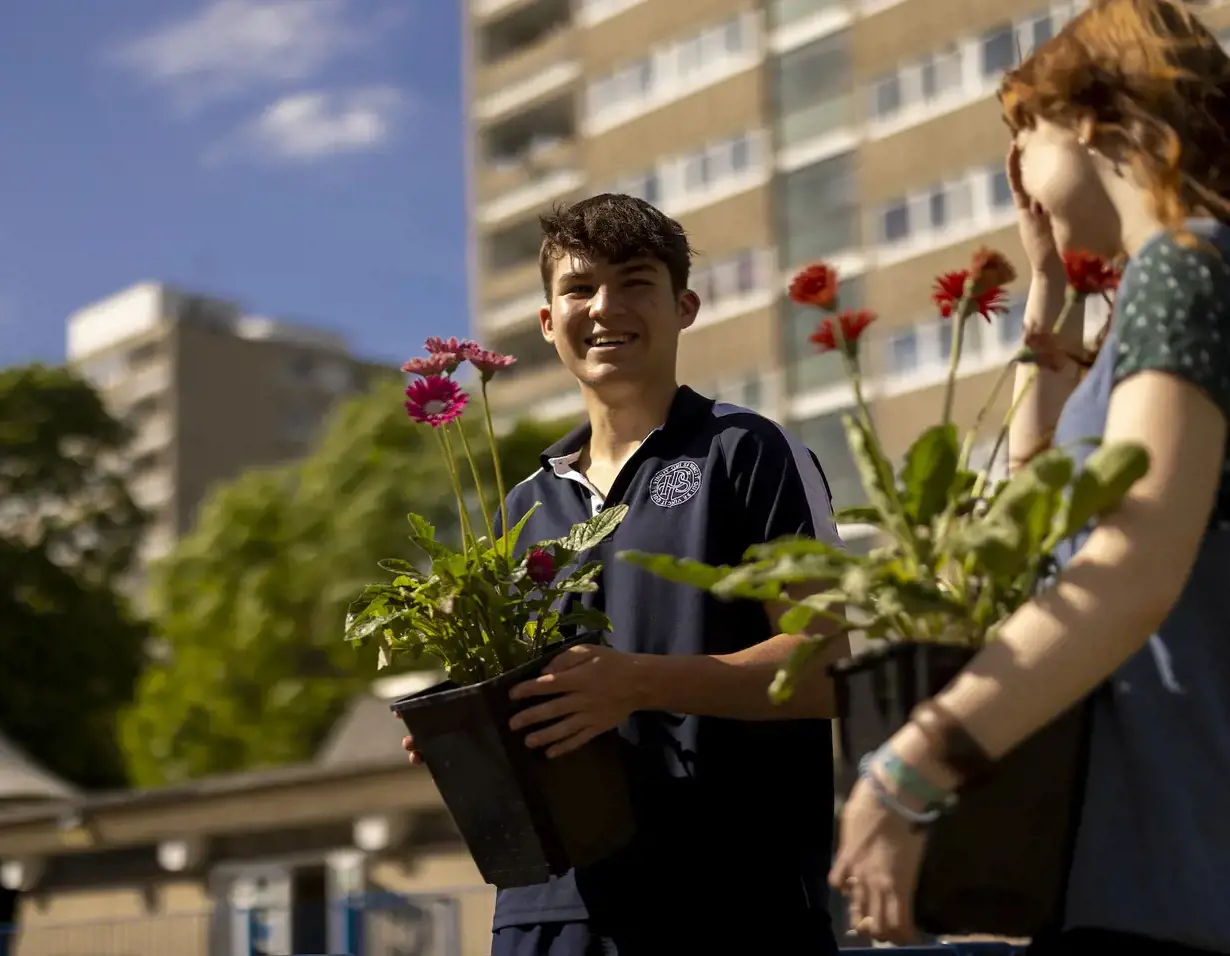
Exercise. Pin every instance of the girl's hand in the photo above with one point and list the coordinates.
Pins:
(1037, 232)
(877, 867)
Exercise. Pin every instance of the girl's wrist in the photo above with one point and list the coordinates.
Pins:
(914, 750)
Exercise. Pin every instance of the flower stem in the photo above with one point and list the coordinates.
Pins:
(495, 461)
(462, 512)
(1070, 301)
(960, 316)
(478, 483)
(968, 446)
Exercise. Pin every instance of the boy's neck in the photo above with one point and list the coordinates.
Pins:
(619, 426)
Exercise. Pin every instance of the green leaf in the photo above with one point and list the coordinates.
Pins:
(508, 541)
(920, 597)
(678, 570)
(995, 545)
(858, 514)
(928, 474)
(793, 546)
(797, 618)
(1108, 475)
(876, 475)
(1014, 531)
(586, 619)
(589, 534)
(400, 567)
(423, 534)
(581, 581)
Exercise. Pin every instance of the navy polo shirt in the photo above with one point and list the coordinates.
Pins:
(733, 815)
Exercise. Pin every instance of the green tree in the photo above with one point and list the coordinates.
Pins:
(70, 649)
(251, 603)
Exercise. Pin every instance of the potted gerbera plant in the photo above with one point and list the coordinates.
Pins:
(957, 553)
(493, 613)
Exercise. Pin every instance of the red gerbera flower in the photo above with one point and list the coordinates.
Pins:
(436, 363)
(488, 362)
(816, 285)
(853, 323)
(540, 566)
(462, 347)
(990, 269)
(949, 289)
(1089, 274)
(435, 401)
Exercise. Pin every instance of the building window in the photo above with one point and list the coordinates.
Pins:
(681, 60)
(1001, 189)
(814, 89)
(730, 278)
(1039, 32)
(940, 72)
(691, 54)
(753, 393)
(937, 209)
(1012, 326)
(887, 96)
(971, 342)
(740, 153)
(998, 51)
(821, 210)
(736, 37)
(895, 224)
(696, 172)
(903, 351)
(825, 436)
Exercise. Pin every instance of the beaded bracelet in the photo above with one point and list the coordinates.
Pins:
(936, 802)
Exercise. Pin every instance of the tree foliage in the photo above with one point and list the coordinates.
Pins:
(70, 650)
(252, 603)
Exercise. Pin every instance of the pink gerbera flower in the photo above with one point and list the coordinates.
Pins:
(437, 363)
(488, 362)
(462, 347)
(435, 401)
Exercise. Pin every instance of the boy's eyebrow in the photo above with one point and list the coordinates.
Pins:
(631, 268)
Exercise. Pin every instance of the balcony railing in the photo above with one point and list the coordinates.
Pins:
(786, 12)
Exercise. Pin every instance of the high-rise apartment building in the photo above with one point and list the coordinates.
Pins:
(866, 133)
(209, 391)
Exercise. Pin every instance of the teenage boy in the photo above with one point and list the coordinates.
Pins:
(734, 795)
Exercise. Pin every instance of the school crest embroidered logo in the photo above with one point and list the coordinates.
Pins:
(675, 484)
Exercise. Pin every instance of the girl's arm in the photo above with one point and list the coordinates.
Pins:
(1038, 413)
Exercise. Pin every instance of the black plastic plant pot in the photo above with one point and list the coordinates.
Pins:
(524, 818)
(998, 862)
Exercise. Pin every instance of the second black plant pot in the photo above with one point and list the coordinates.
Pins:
(524, 818)
(998, 862)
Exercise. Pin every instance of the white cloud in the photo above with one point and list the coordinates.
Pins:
(309, 126)
(231, 47)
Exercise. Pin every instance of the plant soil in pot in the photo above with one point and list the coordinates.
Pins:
(998, 862)
(493, 616)
(524, 817)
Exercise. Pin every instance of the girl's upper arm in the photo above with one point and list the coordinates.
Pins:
(1172, 394)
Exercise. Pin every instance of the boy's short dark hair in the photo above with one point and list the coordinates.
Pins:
(615, 228)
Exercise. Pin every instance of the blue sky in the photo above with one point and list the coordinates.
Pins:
(301, 156)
